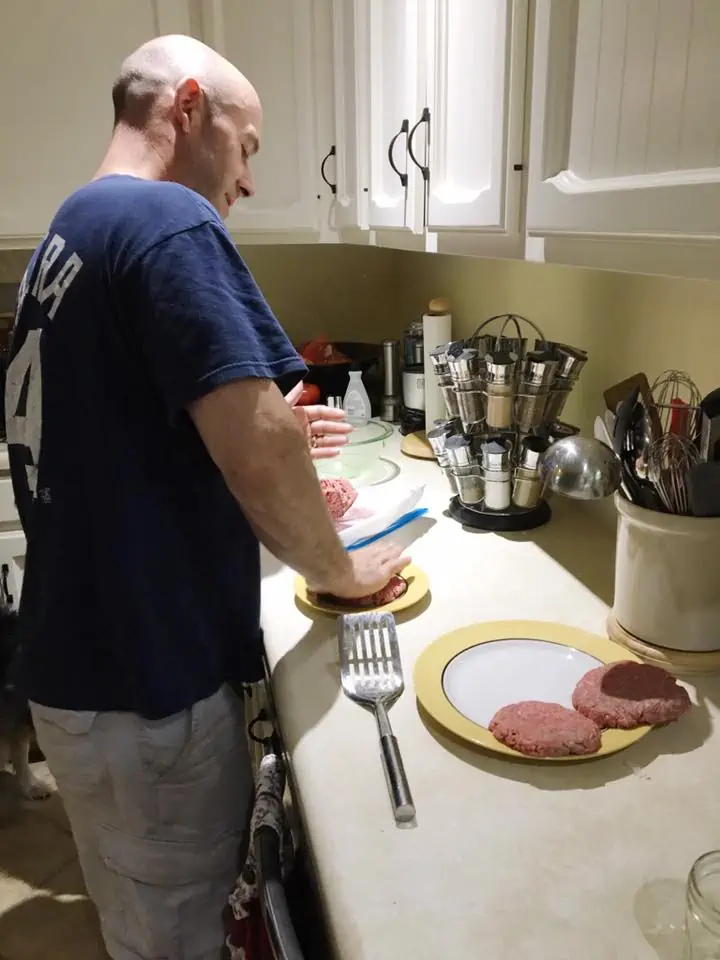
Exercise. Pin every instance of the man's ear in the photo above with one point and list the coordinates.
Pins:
(188, 102)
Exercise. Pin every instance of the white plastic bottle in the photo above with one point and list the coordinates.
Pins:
(357, 402)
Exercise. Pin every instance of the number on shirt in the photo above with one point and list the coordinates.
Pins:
(25, 428)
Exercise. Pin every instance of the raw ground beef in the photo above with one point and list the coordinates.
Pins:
(540, 729)
(339, 495)
(628, 694)
(393, 591)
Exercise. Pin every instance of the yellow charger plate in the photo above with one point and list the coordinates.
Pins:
(431, 671)
(418, 588)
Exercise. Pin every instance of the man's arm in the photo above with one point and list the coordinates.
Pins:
(256, 442)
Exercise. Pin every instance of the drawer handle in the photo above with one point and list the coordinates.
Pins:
(7, 597)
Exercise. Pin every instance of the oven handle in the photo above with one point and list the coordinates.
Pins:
(283, 939)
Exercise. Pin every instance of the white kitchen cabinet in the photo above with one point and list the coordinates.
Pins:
(442, 81)
(57, 68)
(275, 43)
(625, 133)
(475, 97)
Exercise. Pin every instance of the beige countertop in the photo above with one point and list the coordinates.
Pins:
(508, 861)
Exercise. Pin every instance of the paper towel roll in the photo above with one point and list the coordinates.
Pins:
(437, 330)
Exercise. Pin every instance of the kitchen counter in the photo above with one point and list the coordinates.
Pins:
(508, 860)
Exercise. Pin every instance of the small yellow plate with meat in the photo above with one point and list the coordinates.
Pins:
(413, 583)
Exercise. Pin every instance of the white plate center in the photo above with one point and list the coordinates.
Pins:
(482, 679)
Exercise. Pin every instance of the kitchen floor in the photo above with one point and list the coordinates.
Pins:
(44, 909)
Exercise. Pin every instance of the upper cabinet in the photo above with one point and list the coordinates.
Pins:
(433, 91)
(280, 45)
(625, 138)
(475, 97)
(56, 129)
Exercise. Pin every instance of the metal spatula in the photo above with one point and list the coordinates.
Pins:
(371, 673)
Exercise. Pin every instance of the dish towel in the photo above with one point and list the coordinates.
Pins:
(247, 938)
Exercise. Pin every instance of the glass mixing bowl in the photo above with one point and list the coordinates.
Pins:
(361, 453)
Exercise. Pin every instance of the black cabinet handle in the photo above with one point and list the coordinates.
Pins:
(331, 153)
(7, 597)
(276, 912)
(425, 118)
(424, 169)
(403, 176)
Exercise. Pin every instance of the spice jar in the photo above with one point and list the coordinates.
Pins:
(499, 385)
(496, 466)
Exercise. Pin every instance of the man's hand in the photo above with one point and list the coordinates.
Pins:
(326, 428)
(372, 568)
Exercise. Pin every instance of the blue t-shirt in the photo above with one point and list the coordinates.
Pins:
(141, 588)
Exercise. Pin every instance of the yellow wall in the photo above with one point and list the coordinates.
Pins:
(626, 322)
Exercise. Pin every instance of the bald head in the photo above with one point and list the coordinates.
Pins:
(197, 112)
(161, 64)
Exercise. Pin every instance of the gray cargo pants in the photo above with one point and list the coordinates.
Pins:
(158, 809)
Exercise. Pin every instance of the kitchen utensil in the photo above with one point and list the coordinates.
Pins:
(391, 381)
(371, 674)
(710, 426)
(671, 391)
(624, 445)
(418, 589)
(619, 391)
(669, 461)
(600, 432)
(464, 677)
(703, 481)
(580, 468)
(413, 385)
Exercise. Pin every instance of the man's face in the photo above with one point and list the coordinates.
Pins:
(214, 148)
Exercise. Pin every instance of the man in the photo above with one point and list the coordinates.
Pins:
(150, 451)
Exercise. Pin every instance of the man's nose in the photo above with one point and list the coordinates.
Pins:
(245, 186)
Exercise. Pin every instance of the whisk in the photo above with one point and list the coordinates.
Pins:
(669, 460)
(677, 401)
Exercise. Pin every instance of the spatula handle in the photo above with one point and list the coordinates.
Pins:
(400, 796)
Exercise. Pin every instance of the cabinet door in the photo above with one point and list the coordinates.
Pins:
(55, 133)
(380, 89)
(272, 43)
(475, 95)
(625, 136)
(393, 46)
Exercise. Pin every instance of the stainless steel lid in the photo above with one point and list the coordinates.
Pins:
(495, 456)
(531, 450)
(539, 368)
(464, 366)
(571, 361)
(457, 450)
(500, 367)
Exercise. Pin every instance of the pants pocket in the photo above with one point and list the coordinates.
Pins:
(169, 897)
(66, 739)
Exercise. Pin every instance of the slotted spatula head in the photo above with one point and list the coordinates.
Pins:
(370, 665)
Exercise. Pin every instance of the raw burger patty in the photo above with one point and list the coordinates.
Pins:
(339, 495)
(628, 694)
(540, 729)
(393, 591)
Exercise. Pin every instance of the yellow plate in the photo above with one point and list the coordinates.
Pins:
(418, 588)
(433, 661)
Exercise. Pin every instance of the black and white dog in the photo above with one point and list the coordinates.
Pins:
(16, 728)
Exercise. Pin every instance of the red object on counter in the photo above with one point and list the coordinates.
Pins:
(310, 395)
(321, 352)
(679, 417)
